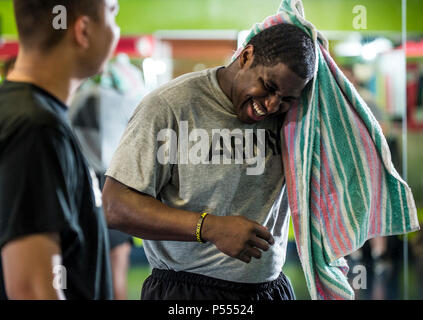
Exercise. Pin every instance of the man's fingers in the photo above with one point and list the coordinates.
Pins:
(245, 258)
(254, 252)
(259, 243)
(264, 233)
(249, 253)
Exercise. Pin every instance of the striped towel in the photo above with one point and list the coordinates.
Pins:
(342, 186)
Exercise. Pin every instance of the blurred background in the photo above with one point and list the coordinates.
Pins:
(378, 44)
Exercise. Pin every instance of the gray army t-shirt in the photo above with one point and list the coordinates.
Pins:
(185, 146)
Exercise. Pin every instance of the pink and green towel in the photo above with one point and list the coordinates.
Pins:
(342, 186)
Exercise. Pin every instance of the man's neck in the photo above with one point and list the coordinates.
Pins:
(51, 73)
(225, 78)
(224, 82)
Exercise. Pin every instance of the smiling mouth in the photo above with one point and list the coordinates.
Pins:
(258, 109)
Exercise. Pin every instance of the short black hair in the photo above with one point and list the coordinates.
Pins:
(34, 19)
(288, 44)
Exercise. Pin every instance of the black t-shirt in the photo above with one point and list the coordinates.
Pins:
(45, 186)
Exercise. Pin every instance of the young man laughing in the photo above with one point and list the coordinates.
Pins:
(211, 229)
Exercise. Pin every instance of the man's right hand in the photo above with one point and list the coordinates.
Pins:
(237, 236)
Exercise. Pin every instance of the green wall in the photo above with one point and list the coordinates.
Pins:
(147, 16)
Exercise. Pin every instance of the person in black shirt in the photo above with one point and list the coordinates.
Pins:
(53, 239)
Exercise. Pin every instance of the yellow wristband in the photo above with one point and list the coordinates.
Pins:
(199, 226)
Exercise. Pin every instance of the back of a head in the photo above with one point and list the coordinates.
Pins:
(34, 20)
(288, 44)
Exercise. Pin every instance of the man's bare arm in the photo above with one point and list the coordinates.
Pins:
(28, 267)
(146, 217)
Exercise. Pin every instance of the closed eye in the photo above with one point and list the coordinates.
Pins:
(289, 99)
(268, 87)
(271, 88)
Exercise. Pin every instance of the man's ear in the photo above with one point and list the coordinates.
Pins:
(246, 57)
(82, 31)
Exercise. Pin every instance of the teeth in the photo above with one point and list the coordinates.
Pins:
(258, 110)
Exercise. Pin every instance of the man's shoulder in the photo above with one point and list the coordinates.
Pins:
(187, 80)
(183, 87)
(21, 108)
(177, 96)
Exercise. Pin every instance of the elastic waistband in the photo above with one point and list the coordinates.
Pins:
(202, 280)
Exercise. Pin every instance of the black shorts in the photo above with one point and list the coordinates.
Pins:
(172, 285)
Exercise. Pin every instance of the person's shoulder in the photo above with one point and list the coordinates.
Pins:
(173, 96)
(187, 84)
(23, 107)
(182, 87)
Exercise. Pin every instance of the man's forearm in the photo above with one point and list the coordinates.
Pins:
(149, 219)
(145, 217)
